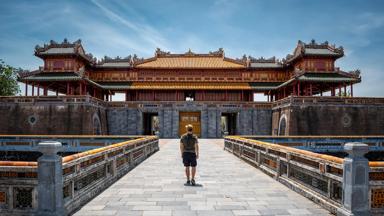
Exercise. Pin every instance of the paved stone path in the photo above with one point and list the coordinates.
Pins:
(229, 187)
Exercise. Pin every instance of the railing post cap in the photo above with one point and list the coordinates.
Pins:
(49, 147)
(356, 148)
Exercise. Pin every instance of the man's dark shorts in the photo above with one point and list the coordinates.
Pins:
(189, 159)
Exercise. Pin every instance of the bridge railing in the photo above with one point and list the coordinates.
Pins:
(53, 99)
(71, 143)
(300, 100)
(319, 177)
(84, 175)
(78, 99)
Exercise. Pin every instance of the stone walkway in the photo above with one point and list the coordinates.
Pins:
(229, 187)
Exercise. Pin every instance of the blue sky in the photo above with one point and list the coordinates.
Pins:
(257, 28)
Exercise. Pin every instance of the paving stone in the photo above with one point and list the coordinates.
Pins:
(147, 208)
(274, 212)
(246, 212)
(229, 207)
(229, 186)
(157, 213)
(184, 213)
(129, 213)
(214, 213)
(299, 212)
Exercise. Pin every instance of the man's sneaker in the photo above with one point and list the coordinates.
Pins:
(193, 182)
(188, 182)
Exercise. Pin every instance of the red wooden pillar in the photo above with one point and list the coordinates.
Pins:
(294, 90)
(310, 89)
(110, 97)
(345, 90)
(38, 89)
(85, 88)
(67, 88)
(45, 90)
(136, 95)
(94, 93)
(26, 88)
(351, 90)
(339, 90)
(333, 91)
(298, 88)
(80, 88)
(57, 92)
(33, 89)
(203, 95)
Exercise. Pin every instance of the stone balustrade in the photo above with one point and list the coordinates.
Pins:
(65, 184)
(319, 177)
(71, 143)
(313, 100)
(319, 144)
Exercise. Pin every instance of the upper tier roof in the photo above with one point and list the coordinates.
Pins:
(117, 62)
(263, 63)
(190, 60)
(63, 48)
(315, 49)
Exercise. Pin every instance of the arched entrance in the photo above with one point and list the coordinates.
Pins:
(282, 125)
(96, 125)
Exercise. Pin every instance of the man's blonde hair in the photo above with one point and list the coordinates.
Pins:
(189, 127)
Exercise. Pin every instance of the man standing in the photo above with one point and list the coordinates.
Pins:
(189, 148)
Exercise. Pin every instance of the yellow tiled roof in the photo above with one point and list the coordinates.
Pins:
(190, 85)
(190, 62)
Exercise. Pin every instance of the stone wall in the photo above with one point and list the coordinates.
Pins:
(128, 120)
(52, 116)
(123, 121)
(327, 116)
(82, 115)
(85, 115)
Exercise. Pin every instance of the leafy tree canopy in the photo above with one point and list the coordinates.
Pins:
(8, 80)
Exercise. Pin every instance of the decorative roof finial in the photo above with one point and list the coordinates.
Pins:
(189, 52)
(159, 52)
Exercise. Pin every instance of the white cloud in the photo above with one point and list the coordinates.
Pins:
(367, 22)
(145, 31)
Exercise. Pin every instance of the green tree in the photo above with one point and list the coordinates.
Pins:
(8, 80)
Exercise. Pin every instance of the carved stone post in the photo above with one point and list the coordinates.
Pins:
(50, 180)
(355, 181)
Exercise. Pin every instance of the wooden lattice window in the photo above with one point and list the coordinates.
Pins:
(377, 198)
(58, 64)
(22, 198)
(320, 65)
(3, 197)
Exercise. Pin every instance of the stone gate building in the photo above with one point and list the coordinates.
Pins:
(210, 91)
